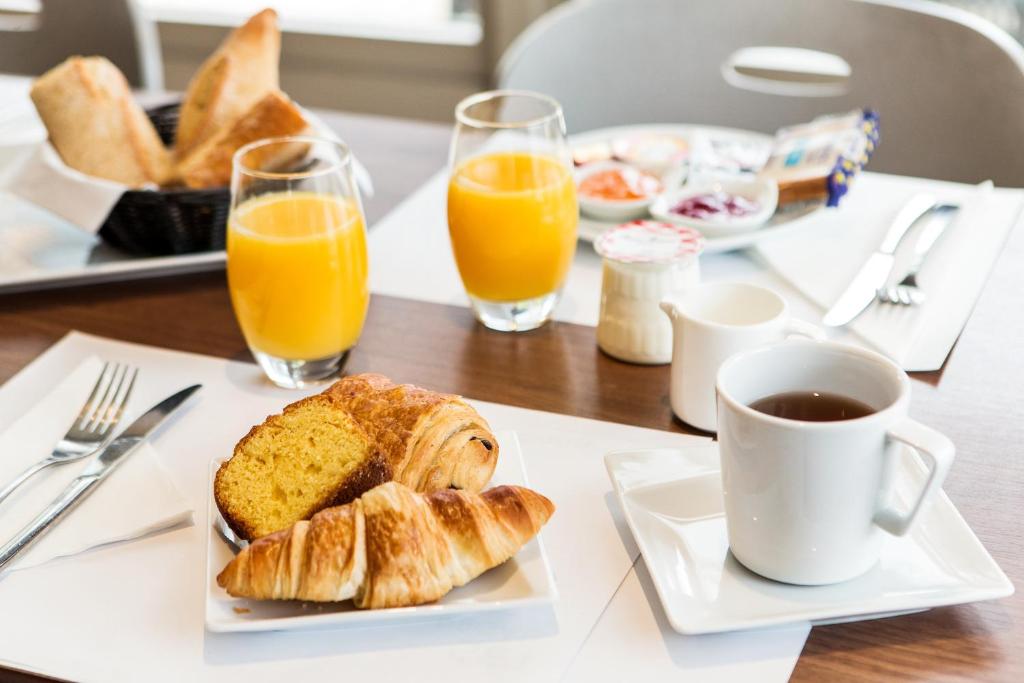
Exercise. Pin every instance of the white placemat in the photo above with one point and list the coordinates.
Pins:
(410, 257)
(135, 611)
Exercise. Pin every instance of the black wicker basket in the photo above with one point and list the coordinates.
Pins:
(162, 222)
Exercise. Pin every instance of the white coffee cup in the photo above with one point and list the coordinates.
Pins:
(807, 502)
(710, 322)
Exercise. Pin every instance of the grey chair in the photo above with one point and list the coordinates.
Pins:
(31, 44)
(949, 86)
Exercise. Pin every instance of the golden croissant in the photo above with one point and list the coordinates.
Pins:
(391, 548)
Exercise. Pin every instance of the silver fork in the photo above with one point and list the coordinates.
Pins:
(907, 292)
(227, 535)
(95, 422)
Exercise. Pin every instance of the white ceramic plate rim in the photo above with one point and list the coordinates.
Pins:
(590, 229)
(884, 606)
(510, 450)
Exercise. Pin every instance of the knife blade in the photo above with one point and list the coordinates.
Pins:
(861, 291)
(98, 469)
(933, 231)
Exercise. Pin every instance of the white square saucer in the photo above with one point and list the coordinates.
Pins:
(672, 501)
(524, 581)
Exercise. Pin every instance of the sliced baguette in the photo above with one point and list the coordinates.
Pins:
(275, 115)
(240, 73)
(95, 125)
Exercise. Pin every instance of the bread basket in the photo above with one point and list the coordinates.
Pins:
(164, 222)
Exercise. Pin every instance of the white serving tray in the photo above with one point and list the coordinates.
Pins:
(38, 250)
(523, 581)
(673, 504)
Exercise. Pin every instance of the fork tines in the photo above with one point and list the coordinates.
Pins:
(106, 403)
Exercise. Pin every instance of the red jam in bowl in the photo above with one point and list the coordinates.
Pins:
(620, 184)
(713, 206)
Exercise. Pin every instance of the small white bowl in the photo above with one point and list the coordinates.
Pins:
(614, 210)
(764, 192)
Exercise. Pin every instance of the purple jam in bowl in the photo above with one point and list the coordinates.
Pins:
(715, 206)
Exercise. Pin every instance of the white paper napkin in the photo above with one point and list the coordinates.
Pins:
(137, 500)
(821, 260)
(46, 181)
(21, 131)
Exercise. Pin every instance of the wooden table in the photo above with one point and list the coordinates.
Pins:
(975, 399)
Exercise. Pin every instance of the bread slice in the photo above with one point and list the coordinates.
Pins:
(95, 125)
(242, 70)
(311, 456)
(209, 165)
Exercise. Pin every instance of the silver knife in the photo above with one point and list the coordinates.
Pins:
(875, 272)
(931, 233)
(98, 469)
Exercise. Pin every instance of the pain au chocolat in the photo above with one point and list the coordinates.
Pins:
(330, 448)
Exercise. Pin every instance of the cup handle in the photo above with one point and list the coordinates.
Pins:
(799, 328)
(932, 446)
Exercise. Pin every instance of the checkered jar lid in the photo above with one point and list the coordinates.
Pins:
(645, 241)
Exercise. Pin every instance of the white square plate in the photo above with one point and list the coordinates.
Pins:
(673, 504)
(524, 581)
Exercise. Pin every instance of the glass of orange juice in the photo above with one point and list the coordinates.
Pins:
(296, 248)
(511, 206)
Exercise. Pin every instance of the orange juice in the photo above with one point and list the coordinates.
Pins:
(512, 219)
(297, 272)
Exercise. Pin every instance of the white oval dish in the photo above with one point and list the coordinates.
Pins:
(613, 209)
(764, 192)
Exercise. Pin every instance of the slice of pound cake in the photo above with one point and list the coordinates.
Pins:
(311, 456)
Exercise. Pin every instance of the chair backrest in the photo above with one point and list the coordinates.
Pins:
(949, 86)
(31, 45)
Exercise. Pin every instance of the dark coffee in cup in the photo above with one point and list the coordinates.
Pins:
(812, 406)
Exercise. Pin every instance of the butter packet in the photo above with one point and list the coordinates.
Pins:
(816, 161)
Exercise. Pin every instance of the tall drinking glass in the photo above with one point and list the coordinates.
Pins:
(297, 266)
(511, 206)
